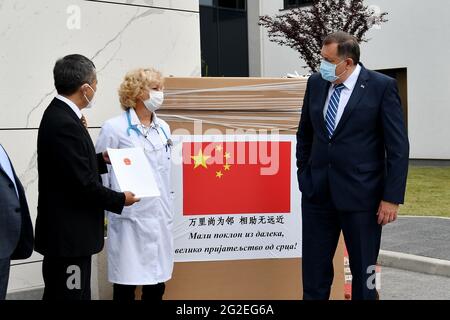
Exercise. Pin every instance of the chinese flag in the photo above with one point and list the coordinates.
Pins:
(236, 178)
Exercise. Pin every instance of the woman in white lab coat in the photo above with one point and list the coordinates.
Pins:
(140, 242)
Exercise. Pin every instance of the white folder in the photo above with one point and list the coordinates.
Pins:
(133, 172)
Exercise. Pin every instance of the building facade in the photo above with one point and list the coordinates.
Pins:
(190, 38)
(118, 35)
(413, 46)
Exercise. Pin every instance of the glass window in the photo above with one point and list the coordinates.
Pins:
(232, 4)
(229, 4)
(208, 3)
(224, 38)
(289, 4)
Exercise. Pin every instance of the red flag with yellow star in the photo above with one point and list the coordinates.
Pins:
(236, 178)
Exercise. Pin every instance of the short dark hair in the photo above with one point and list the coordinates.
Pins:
(348, 46)
(71, 72)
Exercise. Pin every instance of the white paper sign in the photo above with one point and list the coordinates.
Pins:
(133, 172)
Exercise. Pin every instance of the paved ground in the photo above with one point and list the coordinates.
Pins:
(430, 163)
(395, 285)
(35, 294)
(427, 237)
(404, 285)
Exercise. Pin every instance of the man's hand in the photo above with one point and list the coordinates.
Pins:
(387, 213)
(130, 198)
(106, 157)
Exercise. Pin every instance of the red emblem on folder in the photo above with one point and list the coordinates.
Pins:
(127, 162)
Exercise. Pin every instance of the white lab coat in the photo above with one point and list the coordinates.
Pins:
(140, 240)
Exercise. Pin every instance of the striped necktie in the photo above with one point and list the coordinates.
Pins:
(333, 105)
(84, 121)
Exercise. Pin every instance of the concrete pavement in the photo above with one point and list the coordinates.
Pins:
(399, 284)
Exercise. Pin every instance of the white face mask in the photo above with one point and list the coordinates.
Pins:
(91, 103)
(155, 101)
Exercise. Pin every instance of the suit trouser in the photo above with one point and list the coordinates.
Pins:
(151, 293)
(4, 276)
(322, 225)
(67, 278)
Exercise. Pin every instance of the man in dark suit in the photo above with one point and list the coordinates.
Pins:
(72, 199)
(352, 159)
(16, 230)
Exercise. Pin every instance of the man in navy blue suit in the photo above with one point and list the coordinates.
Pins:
(352, 159)
(16, 229)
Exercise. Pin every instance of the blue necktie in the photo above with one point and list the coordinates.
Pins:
(330, 119)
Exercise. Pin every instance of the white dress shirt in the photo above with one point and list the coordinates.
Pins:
(5, 164)
(72, 105)
(345, 94)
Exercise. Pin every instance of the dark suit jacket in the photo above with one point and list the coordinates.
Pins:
(72, 199)
(366, 160)
(16, 229)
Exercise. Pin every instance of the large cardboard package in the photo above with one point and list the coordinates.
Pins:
(230, 104)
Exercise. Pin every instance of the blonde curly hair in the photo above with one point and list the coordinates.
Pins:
(136, 83)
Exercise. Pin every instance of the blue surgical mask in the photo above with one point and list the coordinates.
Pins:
(328, 71)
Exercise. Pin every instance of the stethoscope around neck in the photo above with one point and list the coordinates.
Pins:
(133, 127)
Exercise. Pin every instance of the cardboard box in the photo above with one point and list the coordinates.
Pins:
(245, 103)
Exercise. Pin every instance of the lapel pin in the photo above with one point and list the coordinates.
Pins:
(363, 86)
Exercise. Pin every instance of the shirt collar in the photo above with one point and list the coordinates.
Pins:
(72, 105)
(135, 119)
(350, 83)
